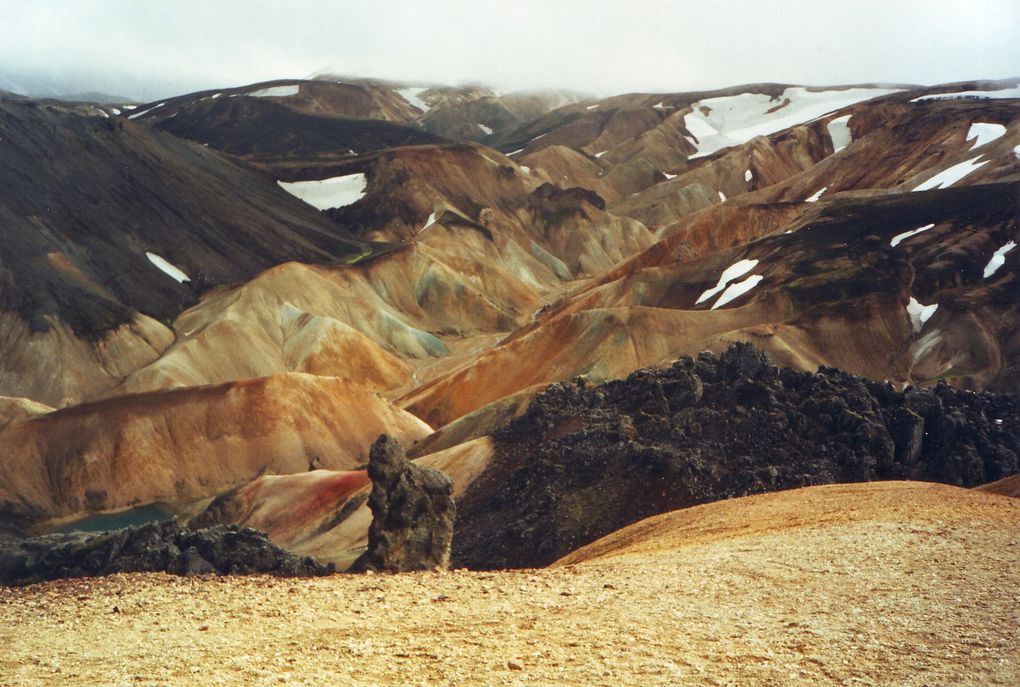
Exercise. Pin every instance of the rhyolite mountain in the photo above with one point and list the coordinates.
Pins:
(423, 261)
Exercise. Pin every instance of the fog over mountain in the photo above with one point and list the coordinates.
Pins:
(153, 50)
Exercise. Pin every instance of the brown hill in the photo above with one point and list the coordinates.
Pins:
(789, 514)
(1007, 486)
(188, 444)
(783, 215)
(833, 291)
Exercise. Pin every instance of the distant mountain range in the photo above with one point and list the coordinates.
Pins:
(209, 289)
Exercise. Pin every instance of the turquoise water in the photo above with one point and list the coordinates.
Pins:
(114, 521)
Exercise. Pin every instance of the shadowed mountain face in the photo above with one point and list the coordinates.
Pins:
(361, 245)
(293, 119)
(85, 199)
(263, 128)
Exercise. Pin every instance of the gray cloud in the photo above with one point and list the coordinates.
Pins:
(151, 49)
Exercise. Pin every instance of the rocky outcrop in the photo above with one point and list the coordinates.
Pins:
(153, 547)
(586, 460)
(412, 513)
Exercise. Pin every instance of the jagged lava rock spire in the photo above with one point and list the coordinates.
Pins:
(412, 513)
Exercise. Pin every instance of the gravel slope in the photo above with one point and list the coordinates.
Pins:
(875, 584)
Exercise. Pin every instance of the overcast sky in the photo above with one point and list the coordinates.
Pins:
(152, 48)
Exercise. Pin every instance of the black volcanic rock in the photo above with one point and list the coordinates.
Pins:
(153, 547)
(412, 513)
(584, 460)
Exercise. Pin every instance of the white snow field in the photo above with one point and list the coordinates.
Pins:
(737, 269)
(324, 194)
(275, 92)
(413, 96)
(900, 238)
(736, 119)
(998, 259)
(136, 115)
(950, 176)
(168, 268)
(984, 132)
(738, 289)
(813, 198)
(839, 132)
(919, 314)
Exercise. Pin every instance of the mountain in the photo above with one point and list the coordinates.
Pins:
(110, 229)
(578, 461)
(227, 295)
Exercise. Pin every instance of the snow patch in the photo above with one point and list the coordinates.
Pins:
(526, 169)
(413, 96)
(984, 132)
(519, 150)
(485, 129)
(430, 221)
(1016, 152)
(275, 92)
(813, 198)
(658, 106)
(737, 269)
(981, 95)
(900, 238)
(839, 133)
(324, 194)
(167, 267)
(733, 120)
(145, 112)
(919, 314)
(722, 196)
(748, 176)
(737, 290)
(998, 259)
(592, 107)
(948, 177)
(668, 175)
(539, 136)
(598, 155)
(114, 110)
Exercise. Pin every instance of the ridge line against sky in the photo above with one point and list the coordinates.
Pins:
(146, 49)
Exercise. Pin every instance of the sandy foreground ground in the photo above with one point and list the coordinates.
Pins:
(885, 584)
